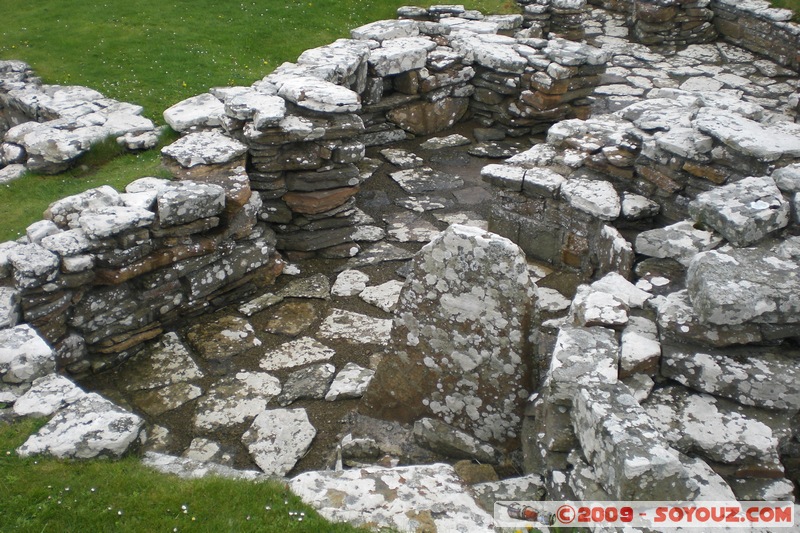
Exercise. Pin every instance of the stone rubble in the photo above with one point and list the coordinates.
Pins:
(46, 128)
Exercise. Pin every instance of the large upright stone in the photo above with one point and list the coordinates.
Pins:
(459, 346)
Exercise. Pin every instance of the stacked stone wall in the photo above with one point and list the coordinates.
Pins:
(758, 27)
(306, 126)
(104, 272)
(46, 128)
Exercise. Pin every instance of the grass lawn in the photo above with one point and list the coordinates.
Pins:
(156, 53)
(794, 5)
(123, 496)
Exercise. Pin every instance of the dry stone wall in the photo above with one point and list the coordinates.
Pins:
(105, 271)
(305, 127)
(45, 128)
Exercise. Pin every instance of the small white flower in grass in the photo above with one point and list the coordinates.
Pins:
(119, 513)
(268, 508)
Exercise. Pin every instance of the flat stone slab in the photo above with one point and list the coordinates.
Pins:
(379, 253)
(223, 338)
(205, 148)
(767, 143)
(355, 328)
(595, 197)
(316, 286)
(292, 317)
(716, 428)
(614, 283)
(319, 95)
(640, 349)
(406, 499)
(156, 402)
(47, 395)
(743, 212)
(164, 362)
(457, 337)
(761, 377)
(551, 301)
(204, 111)
(384, 296)
(410, 227)
(449, 141)
(350, 283)
(260, 303)
(678, 320)
(680, 241)
(350, 382)
(402, 158)
(582, 357)
(187, 468)
(298, 352)
(759, 284)
(311, 382)
(592, 307)
(202, 449)
(466, 218)
(278, 438)
(235, 400)
(24, 355)
(424, 202)
(90, 427)
(425, 179)
(186, 201)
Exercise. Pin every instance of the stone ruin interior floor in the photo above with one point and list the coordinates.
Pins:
(173, 403)
(306, 315)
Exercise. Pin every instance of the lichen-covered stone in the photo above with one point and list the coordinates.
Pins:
(90, 427)
(201, 111)
(592, 307)
(678, 320)
(714, 428)
(582, 357)
(278, 438)
(680, 241)
(409, 498)
(640, 349)
(624, 446)
(759, 284)
(205, 148)
(459, 337)
(595, 197)
(761, 377)
(350, 382)
(187, 201)
(24, 355)
(236, 399)
(743, 212)
(47, 395)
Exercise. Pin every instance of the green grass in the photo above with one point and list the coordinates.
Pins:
(41, 495)
(158, 52)
(794, 5)
(23, 201)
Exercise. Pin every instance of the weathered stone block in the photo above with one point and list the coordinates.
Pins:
(457, 347)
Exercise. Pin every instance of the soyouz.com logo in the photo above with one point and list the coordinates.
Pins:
(717, 514)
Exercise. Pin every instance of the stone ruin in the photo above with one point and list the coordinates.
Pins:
(46, 128)
(663, 190)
